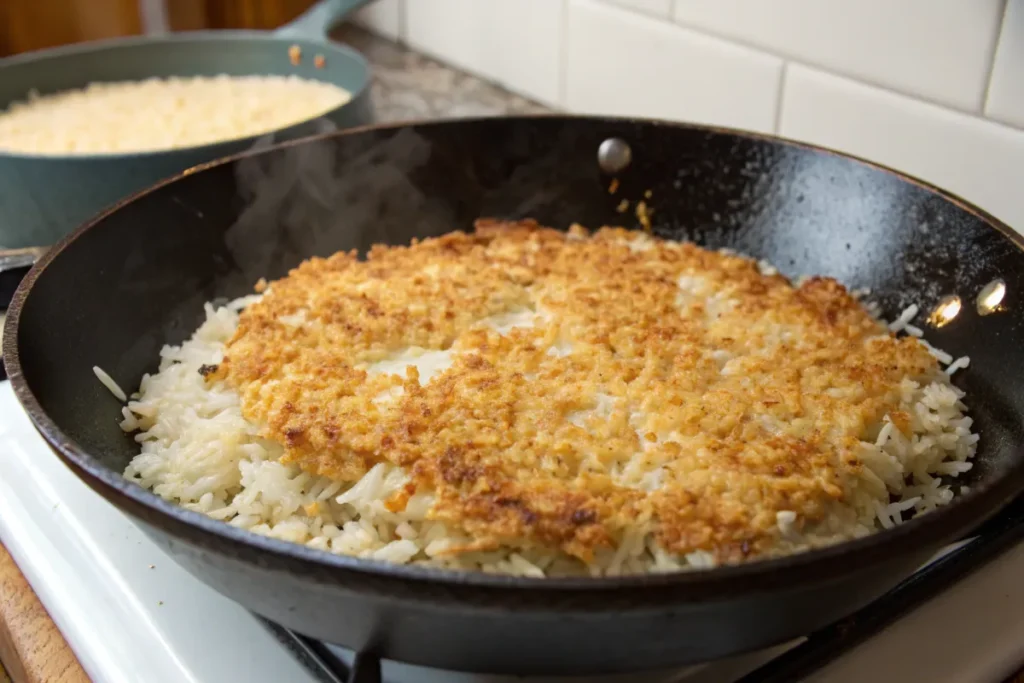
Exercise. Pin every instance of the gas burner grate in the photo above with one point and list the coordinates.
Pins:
(995, 536)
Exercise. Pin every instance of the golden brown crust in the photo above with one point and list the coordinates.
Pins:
(693, 396)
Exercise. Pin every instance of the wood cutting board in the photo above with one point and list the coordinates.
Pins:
(31, 648)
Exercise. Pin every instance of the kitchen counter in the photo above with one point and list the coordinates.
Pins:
(407, 85)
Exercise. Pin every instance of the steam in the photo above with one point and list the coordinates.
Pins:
(320, 196)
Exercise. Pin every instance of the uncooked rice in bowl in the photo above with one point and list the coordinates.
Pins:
(218, 429)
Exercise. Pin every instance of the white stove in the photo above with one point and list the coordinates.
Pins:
(131, 615)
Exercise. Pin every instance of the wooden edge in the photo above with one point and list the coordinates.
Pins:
(31, 647)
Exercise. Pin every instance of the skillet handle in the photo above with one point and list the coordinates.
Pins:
(14, 264)
(318, 20)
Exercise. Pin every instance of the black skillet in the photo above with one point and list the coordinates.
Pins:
(135, 278)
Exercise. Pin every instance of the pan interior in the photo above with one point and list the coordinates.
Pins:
(138, 277)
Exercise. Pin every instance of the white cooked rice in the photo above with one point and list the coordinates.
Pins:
(908, 314)
(939, 354)
(109, 383)
(197, 450)
(959, 364)
(162, 113)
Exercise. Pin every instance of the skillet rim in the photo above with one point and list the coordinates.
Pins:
(68, 52)
(920, 534)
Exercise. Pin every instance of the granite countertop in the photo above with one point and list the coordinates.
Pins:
(408, 85)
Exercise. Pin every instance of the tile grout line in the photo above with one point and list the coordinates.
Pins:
(789, 59)
(402, 21)
(973, 115)
(977, 113)
(563, 57)
(842, 73)
(993, 53)
(777, 124)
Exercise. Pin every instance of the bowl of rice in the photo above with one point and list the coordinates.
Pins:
(85, 125)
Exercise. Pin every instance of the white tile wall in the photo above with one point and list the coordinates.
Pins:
(624, 63)
(657, 8)
(517, 44)
(938, 49)
(980, 160)
(934, 87)
(383, 17)
(1006, 91)
(524, 46)
(447, 29)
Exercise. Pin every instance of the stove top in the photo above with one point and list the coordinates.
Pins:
(130, 614)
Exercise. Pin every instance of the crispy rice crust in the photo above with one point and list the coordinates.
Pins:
(700, 397)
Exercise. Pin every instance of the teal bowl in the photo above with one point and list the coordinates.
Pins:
(44, 197)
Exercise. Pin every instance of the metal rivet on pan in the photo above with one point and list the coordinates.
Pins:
(295, 54)
(990, 299)
(945, 311)
(319, 61)
(614, 155)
